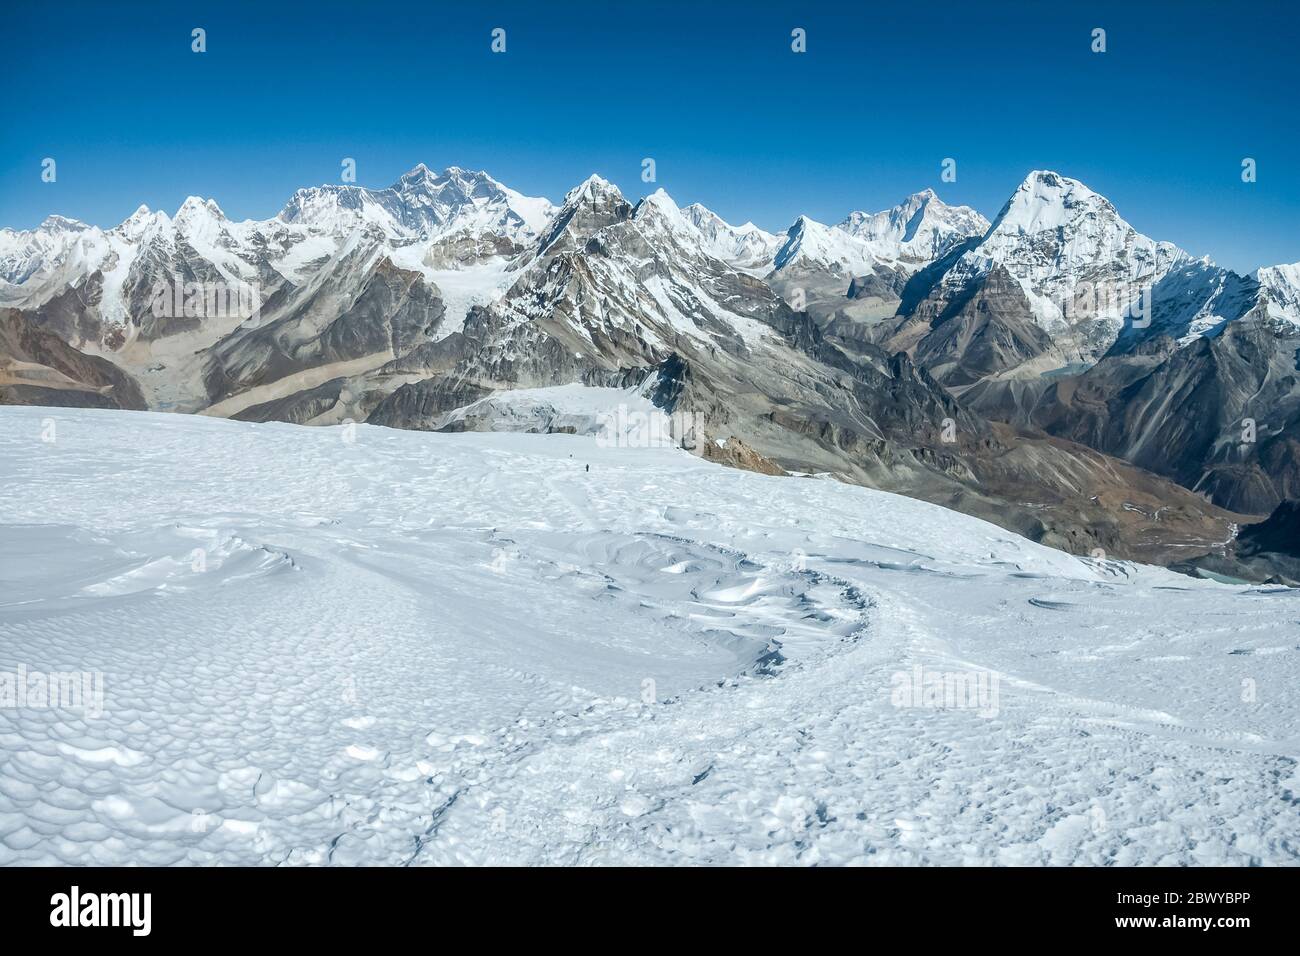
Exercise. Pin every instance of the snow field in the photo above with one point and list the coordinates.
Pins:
(468, 649)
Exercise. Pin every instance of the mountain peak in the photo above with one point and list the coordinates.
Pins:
(747, 248)
(1046, 200)
(143, 221)
(416, 173)
(1047, 178)
(1048, 186)
(659, 209)
(593, 186)
(143, 214)
(424, 204)
(196, 205)
(588, 207)
(660, 199)
(1074, 257)
(56, 223)
(922, 226)
(423, 177)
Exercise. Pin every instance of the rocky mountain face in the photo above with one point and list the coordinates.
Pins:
(746, 248)
(854, 272)
(1280, 287)
(907, 350)
(37, 367)
(213, 315)
(1219, 415)
(424, 204)
(1064, 318)
(1267, 552)
(1060, 257)
(919, 230)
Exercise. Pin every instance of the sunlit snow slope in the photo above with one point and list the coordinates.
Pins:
(439, 649)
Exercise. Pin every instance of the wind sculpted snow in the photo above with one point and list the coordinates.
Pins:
(360, 645)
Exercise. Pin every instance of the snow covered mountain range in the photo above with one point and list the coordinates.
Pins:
(920, 348)
(1088, 280)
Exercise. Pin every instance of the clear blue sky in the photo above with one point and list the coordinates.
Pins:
(710, 90)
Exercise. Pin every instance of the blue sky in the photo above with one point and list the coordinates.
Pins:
(1159, 123)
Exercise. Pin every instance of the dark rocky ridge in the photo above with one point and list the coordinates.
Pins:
(39, 368)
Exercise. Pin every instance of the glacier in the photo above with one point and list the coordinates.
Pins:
(357, 645)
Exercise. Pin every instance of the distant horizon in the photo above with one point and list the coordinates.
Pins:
(733, 117)
(632, 196)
